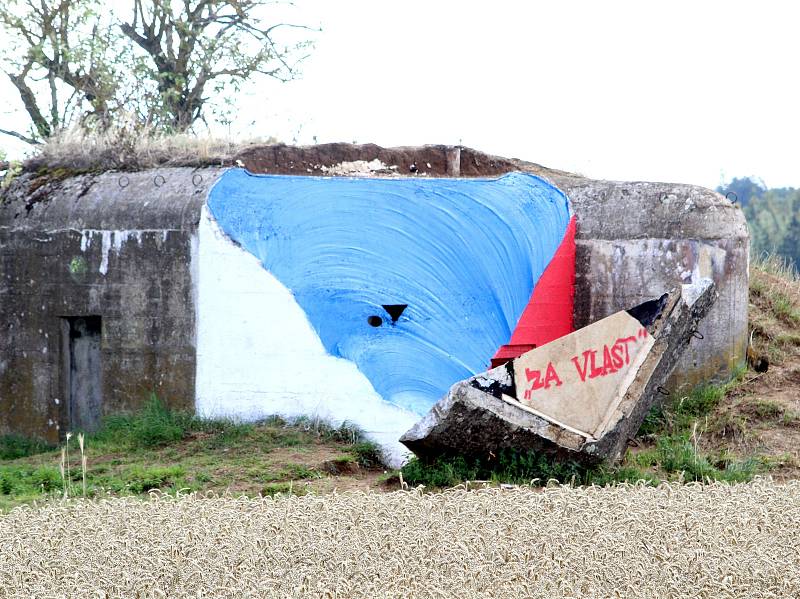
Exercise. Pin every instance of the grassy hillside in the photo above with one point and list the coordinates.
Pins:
(761, 415)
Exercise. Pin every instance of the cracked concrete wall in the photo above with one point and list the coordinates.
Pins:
(116, 246)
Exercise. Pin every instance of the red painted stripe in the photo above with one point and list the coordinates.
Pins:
(548, 314)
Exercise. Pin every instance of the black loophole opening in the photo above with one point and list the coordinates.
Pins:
(395, 310)
(375, 321)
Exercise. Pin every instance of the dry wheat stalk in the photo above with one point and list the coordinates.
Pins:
(83, 461)
(714, 541)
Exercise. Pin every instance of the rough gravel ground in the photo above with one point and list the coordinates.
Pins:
(626, 541)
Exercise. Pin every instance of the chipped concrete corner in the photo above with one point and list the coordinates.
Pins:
(566, 402)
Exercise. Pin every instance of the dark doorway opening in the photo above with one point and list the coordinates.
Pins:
(82, 370)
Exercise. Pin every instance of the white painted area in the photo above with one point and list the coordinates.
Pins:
(110, 240)
(106, 247)
(86, 240)
(258, 355)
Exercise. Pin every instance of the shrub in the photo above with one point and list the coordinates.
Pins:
(13, 447)
(142, 480)
(28, 479)
(153, 426)
(368, 455)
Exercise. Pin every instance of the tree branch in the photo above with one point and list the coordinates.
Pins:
(28, 140)
(29, 101)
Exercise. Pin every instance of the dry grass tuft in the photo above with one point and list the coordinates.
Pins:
(132, 149)
(775, 307)
(674, 540)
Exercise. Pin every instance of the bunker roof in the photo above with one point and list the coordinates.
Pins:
(171, 197)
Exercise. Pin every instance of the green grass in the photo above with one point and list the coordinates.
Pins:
(679, 455)
(757, 287)
(141, 480)
(367, 454)
(790, 418)
(170, 450)
(788, 339)
(775, 265)
(155, 425)
(16, 480)
(298, 472)
(680, 415)
(13, 447)
(346, 432)
(784, 308)
(290, 488)
(767, 410)
(516, 467)
(673, 428)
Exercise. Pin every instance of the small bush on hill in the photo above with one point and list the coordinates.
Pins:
(367, 454)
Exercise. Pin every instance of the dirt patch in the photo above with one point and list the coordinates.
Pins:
(344, 465)
(326, 159)
(793, 376)
(309, 455)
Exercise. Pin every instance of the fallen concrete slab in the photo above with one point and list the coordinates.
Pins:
(581, 397)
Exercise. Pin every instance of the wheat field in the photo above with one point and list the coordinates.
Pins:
(675, 540)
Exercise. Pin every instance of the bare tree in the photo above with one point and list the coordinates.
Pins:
(195, 46)
(61, 68)
(165, 66)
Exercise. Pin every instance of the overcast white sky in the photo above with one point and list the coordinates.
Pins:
(681, 91)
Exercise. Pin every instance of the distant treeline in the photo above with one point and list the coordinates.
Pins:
(773, 215)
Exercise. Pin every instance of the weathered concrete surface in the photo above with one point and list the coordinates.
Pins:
(116, 246)
(484, 415)
(471, 421)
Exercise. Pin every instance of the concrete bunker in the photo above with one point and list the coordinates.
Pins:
(203, 309)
